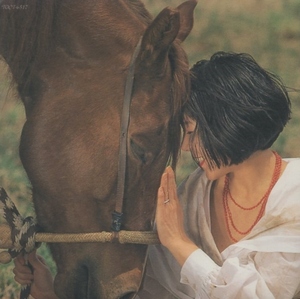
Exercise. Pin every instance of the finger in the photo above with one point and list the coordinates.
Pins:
(23, 275)
(164, 185)
(19, 260)
(160, 196)
(172, 187)
(23, 281)
(34, 260)
(164, 180)
(22, 270)
(42, 260)
(21, 266)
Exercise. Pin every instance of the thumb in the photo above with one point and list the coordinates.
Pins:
(34, 260)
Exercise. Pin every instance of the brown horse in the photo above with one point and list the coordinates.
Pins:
(69, 60)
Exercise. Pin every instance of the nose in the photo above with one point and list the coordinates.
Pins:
(185, 145)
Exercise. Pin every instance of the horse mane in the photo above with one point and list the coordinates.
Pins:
(28, 31)
(139, 9)
(27, 35)
(179, 93)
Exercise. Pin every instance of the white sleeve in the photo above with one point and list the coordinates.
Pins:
(199, 272)
(251, 275)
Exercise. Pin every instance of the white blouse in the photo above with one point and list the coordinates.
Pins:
(264, 265)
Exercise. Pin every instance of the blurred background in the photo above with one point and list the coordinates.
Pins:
(269, 30)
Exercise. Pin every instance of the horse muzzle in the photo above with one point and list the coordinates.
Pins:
(85, 286)
(124, 286)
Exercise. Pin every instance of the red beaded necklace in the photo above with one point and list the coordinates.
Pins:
(262, 202)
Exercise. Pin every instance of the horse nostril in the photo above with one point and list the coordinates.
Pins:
(128, 295)
(81, 283)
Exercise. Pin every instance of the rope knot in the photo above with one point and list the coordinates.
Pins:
(23, 235)
(23, 230)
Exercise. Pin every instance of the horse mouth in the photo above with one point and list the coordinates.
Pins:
(86, 286)
(128, 296)
(124, 286)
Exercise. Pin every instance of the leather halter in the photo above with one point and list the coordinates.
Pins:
(125, 118)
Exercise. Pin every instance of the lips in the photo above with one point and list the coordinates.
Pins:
(201, 161)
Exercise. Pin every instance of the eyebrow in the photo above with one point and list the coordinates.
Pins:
(187, 122)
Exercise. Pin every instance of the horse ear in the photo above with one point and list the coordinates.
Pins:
(186, 10)
(169, 25)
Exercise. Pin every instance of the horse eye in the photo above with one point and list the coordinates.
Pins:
(140, 153)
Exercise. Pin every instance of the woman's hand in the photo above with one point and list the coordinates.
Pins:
(40, 278)
(170, 220)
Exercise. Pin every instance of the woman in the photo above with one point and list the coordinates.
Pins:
(242, 205)
(236, 232)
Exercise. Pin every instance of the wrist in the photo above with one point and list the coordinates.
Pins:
(181, 249)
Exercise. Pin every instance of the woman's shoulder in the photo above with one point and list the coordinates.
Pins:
(293, 162)
(285, 193)
(291, 175)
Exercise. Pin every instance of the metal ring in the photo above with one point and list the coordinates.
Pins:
(166, 201)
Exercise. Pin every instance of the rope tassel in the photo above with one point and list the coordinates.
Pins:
(22, 233)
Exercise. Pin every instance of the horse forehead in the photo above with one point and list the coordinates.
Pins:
(106, 27)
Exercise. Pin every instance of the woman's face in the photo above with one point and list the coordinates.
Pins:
(191, 141)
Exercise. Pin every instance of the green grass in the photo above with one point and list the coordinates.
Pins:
(268, 30)
(13, 177)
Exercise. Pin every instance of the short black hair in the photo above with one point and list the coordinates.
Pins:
(238, 106)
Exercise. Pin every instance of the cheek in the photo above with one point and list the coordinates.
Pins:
(185, 145)
(196, 146)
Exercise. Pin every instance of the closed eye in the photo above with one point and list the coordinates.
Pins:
(141, 153)
(189, 132)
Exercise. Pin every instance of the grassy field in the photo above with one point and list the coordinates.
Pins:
(269, 30)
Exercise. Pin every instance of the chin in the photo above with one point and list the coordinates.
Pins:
(213, 175)
(208, 174)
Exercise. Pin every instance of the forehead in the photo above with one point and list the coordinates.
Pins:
(189, 122)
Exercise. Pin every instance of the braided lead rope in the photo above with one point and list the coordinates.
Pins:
(23, 232)
(122, 237)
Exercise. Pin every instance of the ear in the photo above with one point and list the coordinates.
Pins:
(186, 11)
(169, 25)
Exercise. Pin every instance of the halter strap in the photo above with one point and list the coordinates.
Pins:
(125, 118)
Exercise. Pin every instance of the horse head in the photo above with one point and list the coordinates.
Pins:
(70, 65)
